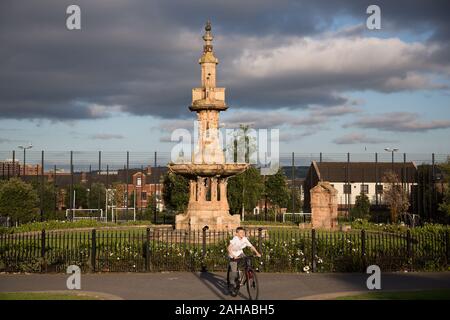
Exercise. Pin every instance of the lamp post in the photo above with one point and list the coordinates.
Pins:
(24, 154)
(392, 151)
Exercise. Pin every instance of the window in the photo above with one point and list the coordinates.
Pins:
(379, 188)
(139, 181)
(365, 188)
(347, 188)
(144, 196)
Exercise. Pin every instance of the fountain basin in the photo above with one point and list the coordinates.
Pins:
(208, 170)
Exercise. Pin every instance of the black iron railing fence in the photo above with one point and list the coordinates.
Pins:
(165, 249)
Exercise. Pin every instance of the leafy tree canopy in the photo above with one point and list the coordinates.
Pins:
(277, 189)
(175, 192)
(18, 200)
(247, 187)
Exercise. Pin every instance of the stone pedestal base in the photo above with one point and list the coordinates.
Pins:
(215, 220)
(208, 206)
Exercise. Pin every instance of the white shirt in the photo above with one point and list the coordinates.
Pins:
(237, 245)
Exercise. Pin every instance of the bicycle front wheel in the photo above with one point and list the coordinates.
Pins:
(252, 285)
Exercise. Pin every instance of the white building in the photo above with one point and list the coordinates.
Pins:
(353, 178)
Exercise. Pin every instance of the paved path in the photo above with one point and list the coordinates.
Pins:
(198, 286)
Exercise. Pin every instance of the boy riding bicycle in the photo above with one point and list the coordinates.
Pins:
(235, 250)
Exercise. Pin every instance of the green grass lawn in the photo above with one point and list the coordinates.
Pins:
(45, 296)
(443, 294)
(67, 225)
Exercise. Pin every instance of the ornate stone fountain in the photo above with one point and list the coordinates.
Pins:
(208, 172)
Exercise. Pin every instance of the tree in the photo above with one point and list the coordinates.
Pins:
(175, 192)
(151, 208)
(247, 188)
(425, 195)
(48, 194)
(243, 144)
(362, 206)
(97, 196)
(131, 198)
(444, 206)
(119, 195)
(18, 200)
(297, 199)
(277, 190)
(81, 196)
(395, 197)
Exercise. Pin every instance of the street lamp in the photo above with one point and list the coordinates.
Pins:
(24, 154)
(391, 150)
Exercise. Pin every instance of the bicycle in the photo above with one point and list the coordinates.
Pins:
(247, 277)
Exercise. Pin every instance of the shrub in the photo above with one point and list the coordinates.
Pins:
(362, 207)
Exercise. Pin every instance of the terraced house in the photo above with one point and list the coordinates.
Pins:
(353, 178)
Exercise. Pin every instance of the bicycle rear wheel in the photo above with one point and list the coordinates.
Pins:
(252, 285)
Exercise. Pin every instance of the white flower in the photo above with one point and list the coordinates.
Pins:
(320, 261)
(306, 268)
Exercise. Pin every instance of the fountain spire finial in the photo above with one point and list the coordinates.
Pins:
(208, 38)
(208, 25)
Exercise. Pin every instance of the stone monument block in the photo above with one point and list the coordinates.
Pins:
(324, 208)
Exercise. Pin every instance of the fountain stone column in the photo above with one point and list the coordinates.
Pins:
(208, 168)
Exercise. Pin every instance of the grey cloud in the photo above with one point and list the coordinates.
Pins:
(287, 136)
(399, 122)
(140, 57)
(335, 110)
(5, 140)
(358, 138)
(8, 140)
(106, 136)
(273, 119)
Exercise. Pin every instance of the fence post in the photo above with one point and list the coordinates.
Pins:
(43, 262)
(71, 187)
(363, 250)
(126, 178)
(313, 250)
(147, 251)
(204, 269)
(447, 247)
(41, 205)
(260, 239)
(93, 250)
(408, 248)
(293, 184)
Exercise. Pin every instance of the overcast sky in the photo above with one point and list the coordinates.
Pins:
(309, 68)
